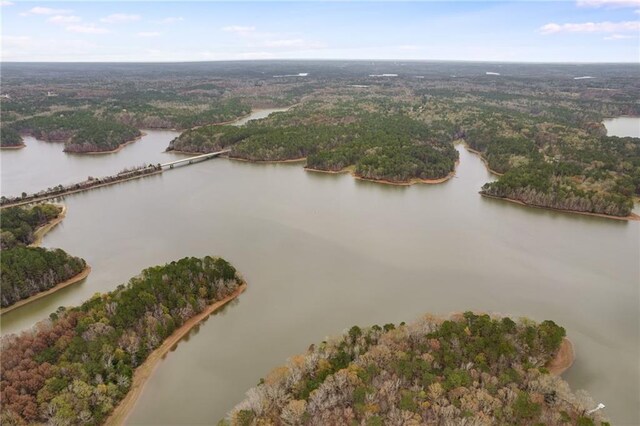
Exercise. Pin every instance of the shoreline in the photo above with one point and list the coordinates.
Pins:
(246, 160)
(124, 408)
(40, 232)
(484, 160)
(122, 145)
(564, 359)
(73, 280)
(22, 145)
(412, 181)
(631, 217)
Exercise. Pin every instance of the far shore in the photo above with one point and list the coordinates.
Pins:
(145, 371)
(351, 171)
(75, 279)
(122, 145)
(22, 145)
(632, 216)
(42, 231)
(564, 358)
(246, 160)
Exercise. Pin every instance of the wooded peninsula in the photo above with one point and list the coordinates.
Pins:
(467, 368)
(28, 271)
(78, 365)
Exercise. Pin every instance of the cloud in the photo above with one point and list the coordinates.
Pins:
(409, 47)
(20, 48)
(608, 3)
(148, 34)
(47, 11)
(169, 20)
(591, 27)
(254, 55)
(297, 43)
(239, 29)
(6, 3)
(618, 37)
(64, 19)
(120, 18)
(637, 11)
(87, 29)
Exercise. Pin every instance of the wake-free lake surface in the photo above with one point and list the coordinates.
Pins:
(323, 252)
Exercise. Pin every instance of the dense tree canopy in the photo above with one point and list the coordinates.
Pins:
(9, 137)
(383, 145)
(27, 271)
(74, 368)
(435, 371)
(17, 224)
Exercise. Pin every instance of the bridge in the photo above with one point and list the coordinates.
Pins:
(61, 191)
(191, 160)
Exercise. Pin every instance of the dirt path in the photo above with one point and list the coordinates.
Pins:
(144, 372)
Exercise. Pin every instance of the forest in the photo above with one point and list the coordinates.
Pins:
(27, 271)
(400, 129)
(17, 224)
(81, 131)
(9, 138)
(75, 367)
(467, 369)
(380, 145)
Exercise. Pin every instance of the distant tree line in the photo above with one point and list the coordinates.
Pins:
(381, 146)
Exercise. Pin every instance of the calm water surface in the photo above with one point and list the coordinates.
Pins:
(324, 252)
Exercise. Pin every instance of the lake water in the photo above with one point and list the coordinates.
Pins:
(323, 252)
(623, 126)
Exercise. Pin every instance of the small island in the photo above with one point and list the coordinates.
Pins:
(492, 370)
(84, 362)
(30, 272)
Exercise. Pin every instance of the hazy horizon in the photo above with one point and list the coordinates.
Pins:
(582, 31)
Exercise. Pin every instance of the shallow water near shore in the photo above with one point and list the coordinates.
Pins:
(323, 252)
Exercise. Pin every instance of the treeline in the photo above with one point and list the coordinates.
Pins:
(147, 116)
(551, 163)
(17, 224)
(76, 367)
(82, 131)
(469, 369)
(544, 185)
(379, 145)
(27, 271)
(9, 137)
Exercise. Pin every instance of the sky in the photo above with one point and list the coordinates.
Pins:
(159, 31)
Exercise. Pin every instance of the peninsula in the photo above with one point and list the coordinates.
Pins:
(78, 366)
(30, 272)
(434, 371)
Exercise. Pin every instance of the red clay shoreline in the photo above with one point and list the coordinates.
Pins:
(632, 216)
(73, 280)
(122, 145)
(22, 145)
(146, 369)
(564, 358)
